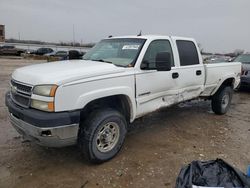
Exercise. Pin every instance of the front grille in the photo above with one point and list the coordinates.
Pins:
(21, 87)
(21, 93)
(21, 100)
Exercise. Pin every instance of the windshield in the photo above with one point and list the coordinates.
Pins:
(120, 52)
(245, 58)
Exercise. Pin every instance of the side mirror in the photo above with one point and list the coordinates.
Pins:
(144, 65)
(163, 61)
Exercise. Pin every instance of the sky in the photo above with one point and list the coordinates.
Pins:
(218, 25)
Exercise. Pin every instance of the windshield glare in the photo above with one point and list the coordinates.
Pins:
(243, 58)
(120, 52)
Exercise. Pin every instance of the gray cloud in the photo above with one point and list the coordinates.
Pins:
(219, 25)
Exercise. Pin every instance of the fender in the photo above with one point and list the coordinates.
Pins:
(86, 98)
(223, 79)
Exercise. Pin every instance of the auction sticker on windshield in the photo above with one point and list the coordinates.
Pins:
(131, 47)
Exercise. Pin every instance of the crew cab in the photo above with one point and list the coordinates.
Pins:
(91, 102)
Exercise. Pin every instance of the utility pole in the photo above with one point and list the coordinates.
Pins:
(19, 36)
(73, 35)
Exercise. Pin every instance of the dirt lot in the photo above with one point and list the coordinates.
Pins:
(156, 147)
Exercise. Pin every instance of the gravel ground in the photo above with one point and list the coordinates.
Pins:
(155, 149)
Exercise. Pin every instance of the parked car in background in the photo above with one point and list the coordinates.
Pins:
(11, 50)
(217, 59)
(42, 51)
(30, 51)
(75, 54)
(245, 73)
(60, 54)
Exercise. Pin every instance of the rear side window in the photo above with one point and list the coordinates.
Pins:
(187, 52)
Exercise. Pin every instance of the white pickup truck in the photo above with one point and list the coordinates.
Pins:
(91, 102)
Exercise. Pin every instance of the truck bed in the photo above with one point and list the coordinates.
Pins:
(217, 72)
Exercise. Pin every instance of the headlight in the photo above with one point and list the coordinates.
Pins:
(45, 90)
(42, 105)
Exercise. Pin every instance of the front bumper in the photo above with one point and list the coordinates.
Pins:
(56, 129)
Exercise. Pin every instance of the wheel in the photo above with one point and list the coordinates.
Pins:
(221, 100)
(19, 53)
(101, 136)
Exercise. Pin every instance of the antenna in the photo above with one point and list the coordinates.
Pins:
(139, 33)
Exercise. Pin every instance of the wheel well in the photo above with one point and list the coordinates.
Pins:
(118, 102)
(228, 82)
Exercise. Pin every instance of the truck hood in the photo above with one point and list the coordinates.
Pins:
(61, 72)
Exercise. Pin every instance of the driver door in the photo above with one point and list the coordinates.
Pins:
(156, 89)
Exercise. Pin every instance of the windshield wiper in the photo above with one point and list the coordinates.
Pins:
(102, 60)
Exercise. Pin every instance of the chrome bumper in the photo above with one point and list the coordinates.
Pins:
(61, 136)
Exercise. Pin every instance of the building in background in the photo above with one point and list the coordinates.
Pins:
(2, 33)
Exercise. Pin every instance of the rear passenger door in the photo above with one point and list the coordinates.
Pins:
(191, 69)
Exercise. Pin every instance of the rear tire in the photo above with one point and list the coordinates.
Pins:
(102, 135)
(221, 100)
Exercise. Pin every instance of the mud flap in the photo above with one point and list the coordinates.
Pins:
(215, 173)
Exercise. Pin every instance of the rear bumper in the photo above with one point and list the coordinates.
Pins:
(44, 128)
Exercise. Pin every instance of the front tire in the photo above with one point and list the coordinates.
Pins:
(221, 100)
(102, 135)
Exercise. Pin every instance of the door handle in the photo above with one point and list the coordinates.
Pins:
(175, 75)
(198, 72)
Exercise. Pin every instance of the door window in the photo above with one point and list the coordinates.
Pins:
(187, 52)
(154, 48)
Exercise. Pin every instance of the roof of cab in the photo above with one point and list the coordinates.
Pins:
(148, 37)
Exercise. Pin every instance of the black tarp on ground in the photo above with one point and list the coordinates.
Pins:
(214, 173)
